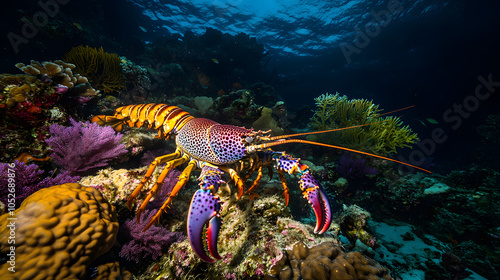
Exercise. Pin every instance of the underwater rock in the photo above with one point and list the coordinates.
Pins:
(59, 231)
(267, 122)
(353, 221)
(203, 103)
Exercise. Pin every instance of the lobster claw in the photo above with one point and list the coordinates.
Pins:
(316, 196)
(204, 210)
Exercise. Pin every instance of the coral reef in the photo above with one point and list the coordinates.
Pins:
(115, 185)
(27, 180)
(84, 146)
(380, 135)
(410, 193)
(253, 239)
(26, 100)
(101, 68)
(326, 261)
(237, 108)
(59, 231)
(50, 93)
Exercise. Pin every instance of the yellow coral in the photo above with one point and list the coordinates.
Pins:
(16, 88)
(382, 136)
(101, 68)
(266, 122)
(58, 232)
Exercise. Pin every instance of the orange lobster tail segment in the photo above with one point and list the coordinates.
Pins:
(167, 119)
(151, 114)
(143, 115)
(115, 123)
(163, 113)
(124, 111)
(134, 113)
(177, 121)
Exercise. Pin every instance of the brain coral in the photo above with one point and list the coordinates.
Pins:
(59, 231)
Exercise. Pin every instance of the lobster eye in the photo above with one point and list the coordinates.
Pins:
(249, 139)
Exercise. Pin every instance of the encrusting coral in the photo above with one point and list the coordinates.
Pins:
(379, 135)
(101, 68)
(59, 231)
(326, 261)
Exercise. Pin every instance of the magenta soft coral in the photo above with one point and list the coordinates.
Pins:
(148, 244)
(84, 146)
(26, 180)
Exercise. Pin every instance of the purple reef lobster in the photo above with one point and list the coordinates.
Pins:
(215, 149)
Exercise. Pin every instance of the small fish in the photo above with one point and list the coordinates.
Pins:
(143, 29)
(420, 122)
(432, 121)
(77, 25)
(215, 60)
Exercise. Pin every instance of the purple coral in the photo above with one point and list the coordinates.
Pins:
(350, 166)
(26, 180)
(84, 146)
(146, 244)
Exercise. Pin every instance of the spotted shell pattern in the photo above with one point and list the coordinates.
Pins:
(210, 141)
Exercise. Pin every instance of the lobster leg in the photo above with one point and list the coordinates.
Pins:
(311, 189)
(237, 180)
(256, 181)
(159, 182)
(286, 193)
(204, 210)
(150, 171)
(183, 178)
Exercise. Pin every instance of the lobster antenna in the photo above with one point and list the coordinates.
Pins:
(411, 106)
(267, 145)
(321, 131)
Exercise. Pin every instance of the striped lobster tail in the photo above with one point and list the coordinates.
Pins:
(167, 119)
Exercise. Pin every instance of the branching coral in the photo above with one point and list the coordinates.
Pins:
(150, 244)
(101, 68)
(84, 146)
(58, 232)
(28, 179)
(382, 136)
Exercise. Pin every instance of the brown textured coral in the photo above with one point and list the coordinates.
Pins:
(326, 261)
(58, 232)
(111, 270)
(101, 68)
(60, 72)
